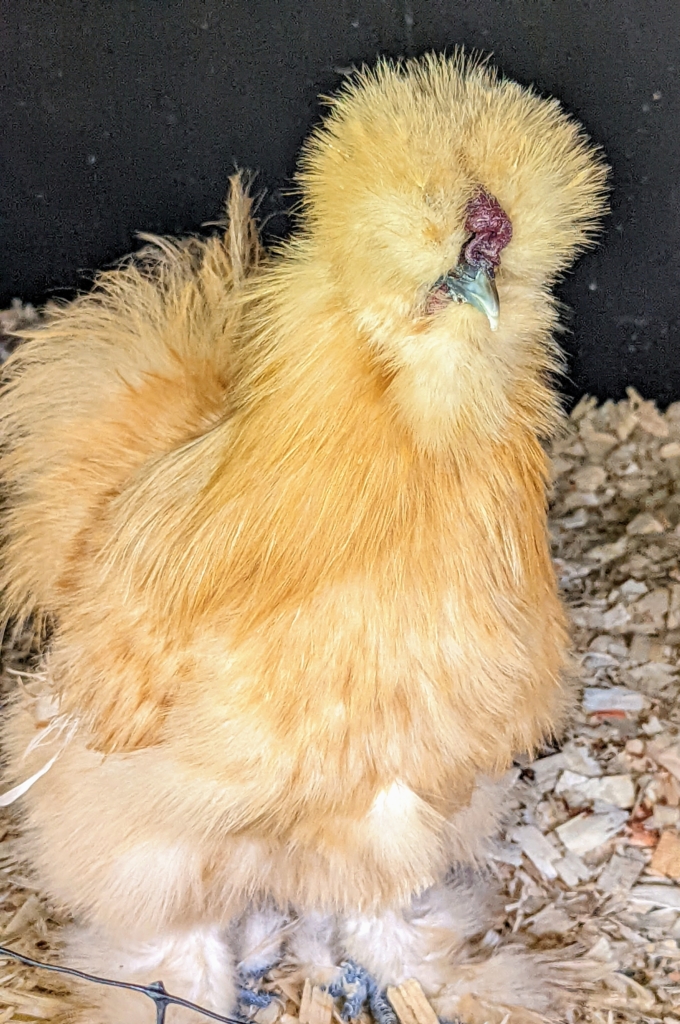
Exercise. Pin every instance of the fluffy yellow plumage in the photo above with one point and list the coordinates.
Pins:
(288, 520)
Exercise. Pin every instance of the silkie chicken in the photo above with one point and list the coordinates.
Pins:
(286, 517)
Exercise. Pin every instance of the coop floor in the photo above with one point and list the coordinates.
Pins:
(591, 852)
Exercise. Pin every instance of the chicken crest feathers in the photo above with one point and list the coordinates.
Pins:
(405, 145)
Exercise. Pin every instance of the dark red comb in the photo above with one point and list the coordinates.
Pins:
(491, 229)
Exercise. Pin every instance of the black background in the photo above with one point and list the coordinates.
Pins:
(123, 116)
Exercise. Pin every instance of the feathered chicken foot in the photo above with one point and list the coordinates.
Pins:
(430, 943)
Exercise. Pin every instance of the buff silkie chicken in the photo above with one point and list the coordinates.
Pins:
(286, 516)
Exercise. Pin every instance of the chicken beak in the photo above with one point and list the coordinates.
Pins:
(477, 286)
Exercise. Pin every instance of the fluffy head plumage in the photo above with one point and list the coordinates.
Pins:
(387, 181)
(387, 178)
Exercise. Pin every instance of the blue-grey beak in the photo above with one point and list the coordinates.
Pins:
(475, 285)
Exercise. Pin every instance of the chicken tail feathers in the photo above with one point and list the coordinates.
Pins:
(122, 375)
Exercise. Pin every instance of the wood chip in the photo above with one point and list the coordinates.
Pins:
(268, 1014)
(550, 921)
(668, 758)
(666, 857)
(538, 848)
(613, 698)
(617, 790)
(411, 1005)
(546, 771)
(572, 870)
(644, 523)
(604, 553)
(657, 895)
(289, 989)
(577, 757)
(647, 415)
(619, 874)
(32, 1004)
(586, 832)
(316, 1006)
(27, 913)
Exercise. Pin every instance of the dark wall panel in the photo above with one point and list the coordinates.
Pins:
(122, 116)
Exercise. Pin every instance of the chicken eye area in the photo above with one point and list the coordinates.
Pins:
(491, 230)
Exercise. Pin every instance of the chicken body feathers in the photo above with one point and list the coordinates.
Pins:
(112, 381)
(290, 528)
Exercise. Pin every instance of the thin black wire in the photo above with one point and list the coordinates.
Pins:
(155, 991)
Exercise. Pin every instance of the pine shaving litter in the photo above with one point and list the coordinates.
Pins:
(316, 1006)
(410, 1004)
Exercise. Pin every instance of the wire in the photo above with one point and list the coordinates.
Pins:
(155, 991)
